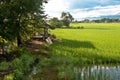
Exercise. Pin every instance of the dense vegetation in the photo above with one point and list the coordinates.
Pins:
(20, 18)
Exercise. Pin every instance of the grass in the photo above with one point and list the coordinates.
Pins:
(95, 43)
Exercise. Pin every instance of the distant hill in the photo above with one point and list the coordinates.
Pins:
(109, 16)
(101, 17)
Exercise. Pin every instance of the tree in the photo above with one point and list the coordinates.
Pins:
(55, 22)
(86, 21)
(67, 18)
(18, 16)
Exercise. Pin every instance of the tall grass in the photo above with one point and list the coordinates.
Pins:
(96, 43)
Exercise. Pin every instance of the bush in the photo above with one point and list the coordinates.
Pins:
(80, 27)
(9, 77)
(22, 65)
(4, 66)
(27, 60)
(65, 72)
(45, 62)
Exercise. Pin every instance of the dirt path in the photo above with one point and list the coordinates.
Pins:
(36, 48)
(34, 45)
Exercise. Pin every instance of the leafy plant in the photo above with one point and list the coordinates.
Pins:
(4, 65)
(22, 65)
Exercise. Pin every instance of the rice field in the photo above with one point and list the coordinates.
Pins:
(95, 43)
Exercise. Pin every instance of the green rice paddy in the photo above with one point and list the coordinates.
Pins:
(95, 43)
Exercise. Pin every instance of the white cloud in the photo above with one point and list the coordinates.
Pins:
(96, 11)
(54, 8)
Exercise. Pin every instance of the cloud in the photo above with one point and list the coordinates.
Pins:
(96, 11)
(55, 7)
(81, 9)
(75, 4)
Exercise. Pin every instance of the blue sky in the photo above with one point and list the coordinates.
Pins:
(81, 9)
(92, 3)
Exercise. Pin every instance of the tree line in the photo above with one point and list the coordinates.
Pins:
(67, 18)
(103, 20)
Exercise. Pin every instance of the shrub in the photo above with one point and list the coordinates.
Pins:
(80, 27)
(4, 66)
(22, 65)
(45, 62)
(65, 72)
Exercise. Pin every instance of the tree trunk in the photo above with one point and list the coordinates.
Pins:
(19, 41)
(3, 51)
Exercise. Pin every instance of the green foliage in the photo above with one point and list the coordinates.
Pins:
(18, 75)
(55, 22)
(22, 65)
(27, 60)
(65, 72)
(17, 17)
(45, 62)
(2, 41)
(9, 77)
(61, 72)
(4, 65)
(67, 18)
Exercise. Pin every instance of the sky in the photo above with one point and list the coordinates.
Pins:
(82, 9)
